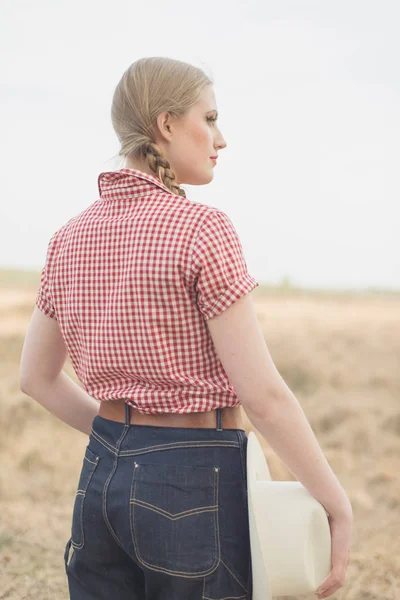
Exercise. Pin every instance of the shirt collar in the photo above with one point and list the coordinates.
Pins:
(125, 183)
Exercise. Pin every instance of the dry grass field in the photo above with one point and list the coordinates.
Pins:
(339, 354)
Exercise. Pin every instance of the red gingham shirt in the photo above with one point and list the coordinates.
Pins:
(131, 281)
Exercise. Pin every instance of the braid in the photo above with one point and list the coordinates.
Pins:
(161, 167)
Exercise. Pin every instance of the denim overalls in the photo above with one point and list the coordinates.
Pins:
(160, 513)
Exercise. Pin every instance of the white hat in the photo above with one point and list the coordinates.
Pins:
(290, 537)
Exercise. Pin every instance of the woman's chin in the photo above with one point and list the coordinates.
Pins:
(202, 179)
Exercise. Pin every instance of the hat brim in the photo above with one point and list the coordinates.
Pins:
(257, 468)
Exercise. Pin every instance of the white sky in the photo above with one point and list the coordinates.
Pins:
(308, 96)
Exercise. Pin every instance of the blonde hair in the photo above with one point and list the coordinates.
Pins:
(149, 87)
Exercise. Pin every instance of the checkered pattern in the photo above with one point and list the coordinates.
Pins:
(131, 281)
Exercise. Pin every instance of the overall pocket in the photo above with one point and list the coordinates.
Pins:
(174, 518)
(90, 462)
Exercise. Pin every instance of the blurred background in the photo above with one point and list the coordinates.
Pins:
(308, 99)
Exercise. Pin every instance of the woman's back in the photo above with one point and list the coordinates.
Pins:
(132, 280)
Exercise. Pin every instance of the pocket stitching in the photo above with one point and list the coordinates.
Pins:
(213, 567)
(174, 516)
(81, 492)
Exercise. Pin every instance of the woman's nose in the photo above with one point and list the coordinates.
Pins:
(221, 143)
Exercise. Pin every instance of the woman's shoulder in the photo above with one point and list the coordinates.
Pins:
(201, 212)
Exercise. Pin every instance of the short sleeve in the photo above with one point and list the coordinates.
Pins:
(219, 266)
(44, 299)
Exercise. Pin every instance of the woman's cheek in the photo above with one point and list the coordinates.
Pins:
(200, 136)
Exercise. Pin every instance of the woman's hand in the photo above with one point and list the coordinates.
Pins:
(341, 535)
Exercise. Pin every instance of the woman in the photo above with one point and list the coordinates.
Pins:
(148, 293)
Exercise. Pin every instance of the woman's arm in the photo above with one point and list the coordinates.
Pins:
(42, 378)
(270, 405)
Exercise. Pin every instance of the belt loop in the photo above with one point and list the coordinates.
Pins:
(127, 413)
(219, 419)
